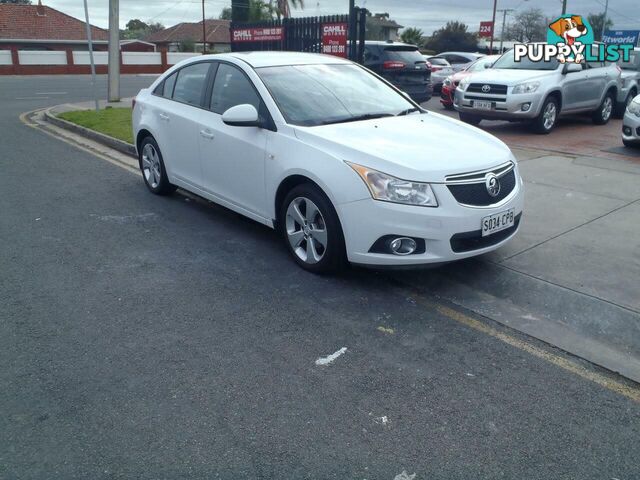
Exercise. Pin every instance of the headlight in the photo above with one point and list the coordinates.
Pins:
(634, 108)
(391, 189)
(528, 87)
(464, 83)
(447, 81)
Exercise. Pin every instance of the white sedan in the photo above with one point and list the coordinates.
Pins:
(342, 163)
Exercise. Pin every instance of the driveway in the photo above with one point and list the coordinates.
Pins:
(146, 337)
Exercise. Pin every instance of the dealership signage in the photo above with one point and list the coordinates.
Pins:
(267, 34)
(334, 39)
(486, 29)
(621, 36)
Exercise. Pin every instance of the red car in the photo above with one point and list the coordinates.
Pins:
(448, 91)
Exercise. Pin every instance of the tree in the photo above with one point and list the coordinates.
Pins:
(17, 2)
(259, 10)
(136, 28)
(283, 7)
(187, 46)
(453, 36)
(528, 26)
(596, 20)
(412, 36)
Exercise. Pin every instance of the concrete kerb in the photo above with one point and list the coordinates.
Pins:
(51, 116)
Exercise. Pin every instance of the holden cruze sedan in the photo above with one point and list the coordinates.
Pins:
(330, 155)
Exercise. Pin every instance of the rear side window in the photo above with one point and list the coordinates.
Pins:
(408, 55)
(439, 62)
(190, 83)
(457, 59)
(232, 88)
(167, 86)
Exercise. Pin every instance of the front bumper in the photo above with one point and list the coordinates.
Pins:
(504, 107)
(447, 94)
(365, 221)
(631, 128)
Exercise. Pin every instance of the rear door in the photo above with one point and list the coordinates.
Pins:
(180, 119)
(406, 68)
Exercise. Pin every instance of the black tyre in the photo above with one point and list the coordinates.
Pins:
(548, 116)
(630, 144)
(152, 167)
(621, 107)
(470, 118)
(449, 106)
(604, 112)
(311, 230)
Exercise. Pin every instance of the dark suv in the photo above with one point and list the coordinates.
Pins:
(402, 65)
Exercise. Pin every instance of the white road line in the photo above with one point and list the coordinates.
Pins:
(31, 98)
(330, 358)
(52, 93)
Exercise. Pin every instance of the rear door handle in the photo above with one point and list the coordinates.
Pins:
(207, 135)
(164, 116)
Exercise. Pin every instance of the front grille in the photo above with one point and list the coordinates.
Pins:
(475, 194)
(493, 88)
(469, 241)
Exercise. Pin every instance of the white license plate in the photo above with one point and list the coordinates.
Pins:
(499, 221)
(482, 105)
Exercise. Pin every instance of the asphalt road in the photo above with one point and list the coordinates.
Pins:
(147, 337)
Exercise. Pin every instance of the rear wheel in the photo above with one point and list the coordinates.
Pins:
(470, 118)
(311, 230)
(548, 116)
(152, 167)
(603, 113)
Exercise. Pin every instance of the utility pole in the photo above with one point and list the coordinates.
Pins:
(204, 32)
(113, 89)
(93, 65)
(493, 26)
(604, 19)
(504, 21)
(564, 7)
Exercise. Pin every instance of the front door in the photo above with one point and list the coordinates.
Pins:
(233, 158)
(575, 89)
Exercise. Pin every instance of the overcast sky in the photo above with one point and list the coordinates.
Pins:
(428, 15)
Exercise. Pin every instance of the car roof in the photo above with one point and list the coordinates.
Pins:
(278, 59)
(470, 54)
(380, 43)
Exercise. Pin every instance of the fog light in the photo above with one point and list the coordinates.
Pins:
(626, 130)
(403, 246)
(525, 107)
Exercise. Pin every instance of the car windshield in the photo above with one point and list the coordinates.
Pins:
(633, 63)
(507, 62)
(439, 61)
(311, 95)
(480, 64)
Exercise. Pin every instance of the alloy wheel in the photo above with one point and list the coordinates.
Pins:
(151, 165)
(306, 230)
(607, 108)
(549, 115)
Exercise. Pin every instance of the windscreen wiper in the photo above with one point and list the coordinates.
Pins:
(409, 110)
(357, 118)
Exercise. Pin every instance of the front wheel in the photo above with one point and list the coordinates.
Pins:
(470, 118)
(548, 117)
(311, 230)
(603, 114)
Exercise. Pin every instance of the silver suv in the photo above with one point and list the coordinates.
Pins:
(539, 92)
(630, 81)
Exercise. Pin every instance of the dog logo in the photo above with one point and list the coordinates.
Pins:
(569, 29)
(493, 184)
(486, 88)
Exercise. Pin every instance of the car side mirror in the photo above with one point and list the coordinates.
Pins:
(571, 67)
(487, 65)
(242, 116)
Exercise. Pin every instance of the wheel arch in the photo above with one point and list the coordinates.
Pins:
(557, 94)
(142, 134)
(286, 185)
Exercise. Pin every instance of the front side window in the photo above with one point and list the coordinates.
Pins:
(310, 95)
(231, 88)
(190, 83)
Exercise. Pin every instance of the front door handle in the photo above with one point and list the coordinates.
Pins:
(207, 135)
(164, 116)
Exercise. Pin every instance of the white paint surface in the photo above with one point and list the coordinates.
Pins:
(5, 57)
(328, 359)
(141, 58)
(177, 57)
(44, 57)
(82, 58)
(404, 476)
